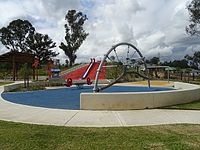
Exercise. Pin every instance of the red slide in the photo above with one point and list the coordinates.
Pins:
(78, 74)
(93, 71)
(75, 75)
(88, 69)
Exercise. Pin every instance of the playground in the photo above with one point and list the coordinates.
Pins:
(118, 88)
(90, 74)
(102, 85)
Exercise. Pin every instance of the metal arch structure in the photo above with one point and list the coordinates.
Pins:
(97, 89)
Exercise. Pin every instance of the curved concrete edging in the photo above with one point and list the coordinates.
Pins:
(84, 118)
(184, 93)
(18, 84)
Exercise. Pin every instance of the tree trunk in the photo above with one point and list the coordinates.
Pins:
(33, 73)
(28, 81)
(70, 63)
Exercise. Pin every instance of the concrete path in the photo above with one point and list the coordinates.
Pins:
(82, 118)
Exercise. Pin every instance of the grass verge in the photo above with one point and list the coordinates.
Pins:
(189, 106)
(26, 136)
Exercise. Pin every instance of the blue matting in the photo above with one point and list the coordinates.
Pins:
(66, 98)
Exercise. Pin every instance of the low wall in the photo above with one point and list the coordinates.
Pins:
(8, 88)
(140, 100)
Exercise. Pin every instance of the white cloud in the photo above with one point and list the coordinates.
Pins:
(9, 10)
(151, 40)
(153, 26)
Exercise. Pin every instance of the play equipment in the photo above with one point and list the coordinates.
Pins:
(89, 68)
(36, 62)
(52, 69)
(127, 59)
(84, 71)
(69, 82)
(49, 67)
(55, 73)
(35, 65)
(79, 84)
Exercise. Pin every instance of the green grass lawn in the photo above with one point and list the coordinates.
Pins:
(189, 106)
(4, 83)
(26, 136)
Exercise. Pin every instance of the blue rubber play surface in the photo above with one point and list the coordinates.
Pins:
(66, 98)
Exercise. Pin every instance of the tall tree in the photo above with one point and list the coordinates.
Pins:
(75, 34)
(41, 46)
(15, 35)
(194, 13)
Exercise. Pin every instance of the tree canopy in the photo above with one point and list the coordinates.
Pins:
(21, 36)
(194, 13)
(194, 61)
(153, 61)
(40, 45)
(181, 64)
(75, 34)
(15, 35)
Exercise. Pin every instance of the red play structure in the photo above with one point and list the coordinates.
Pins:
(35, 65)
(87, 72)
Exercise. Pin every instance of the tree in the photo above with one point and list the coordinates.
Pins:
(20, 36)
(75, 34)
(40, 45)
(194, 13)
(180, 64)
(154, 60)
(25, 72)
(66, 62)
(194, 61)
(15, 35)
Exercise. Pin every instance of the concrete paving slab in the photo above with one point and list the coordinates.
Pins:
(94, 119)
(145, 117)
(37, 115)
(184, 116)
(50, 117)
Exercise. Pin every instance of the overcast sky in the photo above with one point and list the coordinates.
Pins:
(156, 27)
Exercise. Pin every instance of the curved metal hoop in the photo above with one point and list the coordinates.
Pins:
(96, 88)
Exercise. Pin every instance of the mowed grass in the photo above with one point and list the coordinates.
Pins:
(14, 136)
(189, 106)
